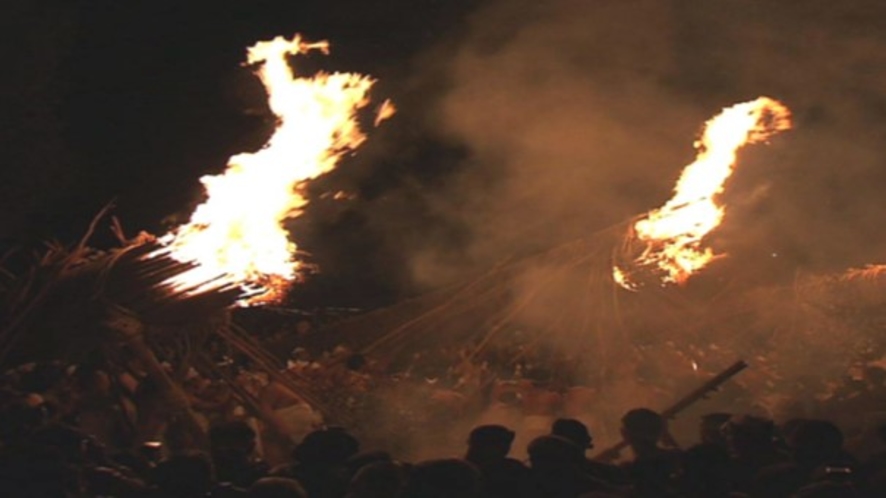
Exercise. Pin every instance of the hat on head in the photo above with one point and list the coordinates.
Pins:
(491, 434)
(574, 431)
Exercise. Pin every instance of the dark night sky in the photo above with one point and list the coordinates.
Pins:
(521, 123)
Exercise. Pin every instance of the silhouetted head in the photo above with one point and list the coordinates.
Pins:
(491, 435)
(362, 459)
(331, 446)
(642, 427)
(574, 431)
(548, 453)
(816, 442)
(789, 427)
(748, 434)
(378, 480)
(489, 442)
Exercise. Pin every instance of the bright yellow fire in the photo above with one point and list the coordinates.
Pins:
(620, 277)
(237, 235)
(674, 232)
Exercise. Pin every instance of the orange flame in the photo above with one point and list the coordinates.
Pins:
(674, 232)
(621, 278)
(237, 235)
(385, 111)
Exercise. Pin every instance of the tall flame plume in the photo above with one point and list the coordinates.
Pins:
(236, 237)
(673, 233)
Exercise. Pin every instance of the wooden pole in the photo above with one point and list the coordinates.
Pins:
(131, 330)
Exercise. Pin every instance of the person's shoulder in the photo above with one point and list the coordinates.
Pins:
(506, 467)
(611, 473)
(513, 463)
(289, 469)
(596, 465)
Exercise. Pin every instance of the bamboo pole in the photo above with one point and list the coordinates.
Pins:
(128, 328)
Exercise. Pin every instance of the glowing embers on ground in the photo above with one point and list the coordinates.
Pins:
(236, 237)
(672, 234)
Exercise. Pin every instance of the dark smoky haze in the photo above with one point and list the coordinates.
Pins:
(522, 125)
(574, 116)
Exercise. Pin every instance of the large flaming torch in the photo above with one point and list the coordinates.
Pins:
(173, 292)
(672, 235)
(237, 237)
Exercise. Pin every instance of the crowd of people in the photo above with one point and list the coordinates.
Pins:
(80, 430)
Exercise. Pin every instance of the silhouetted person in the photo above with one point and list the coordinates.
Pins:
(359, 460)
(558, 469)
(753, 448)
(653, 468)
(577, 432)
(643, 429)
(320, 462)
(818, 443)
(706, 472)
(489, 444)
(488, 448)
(379, 480)
(573, 430)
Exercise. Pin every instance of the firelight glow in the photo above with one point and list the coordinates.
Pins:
(673, 233)
(237, 236)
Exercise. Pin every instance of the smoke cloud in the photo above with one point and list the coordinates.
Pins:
(576, 115)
